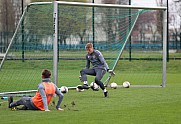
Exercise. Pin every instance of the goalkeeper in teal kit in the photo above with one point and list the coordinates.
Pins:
(99, 68)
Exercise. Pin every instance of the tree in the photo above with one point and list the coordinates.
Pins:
(7, 20)
(112, 20)
(177, 6)
(175, 19)
(72, 22)
(150, 23)
(70, 17)
(7, 16)
(108, 18)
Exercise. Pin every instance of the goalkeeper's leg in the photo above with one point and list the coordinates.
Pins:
(99, 74)
(83, 77)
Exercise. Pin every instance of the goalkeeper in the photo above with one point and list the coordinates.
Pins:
(98, 70)
(46, 90)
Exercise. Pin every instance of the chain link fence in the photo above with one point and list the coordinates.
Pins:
(11, 11)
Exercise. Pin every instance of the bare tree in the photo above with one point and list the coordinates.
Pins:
(111, 23)
(72, 21)
(8, 16)
(175, 19)
(177, 6)
(107, 24)
(7, 20)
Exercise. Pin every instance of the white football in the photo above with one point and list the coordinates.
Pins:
(79, 90)
(94, 86)
(126, 84)
(64, 89)
(114, 85)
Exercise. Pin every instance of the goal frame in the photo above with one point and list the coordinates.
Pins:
(55, 36)
(55, 15)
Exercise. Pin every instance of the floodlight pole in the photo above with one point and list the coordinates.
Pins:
(93, 30)
(130, 35)
(167, 33)
(22, 7)
(22, 32)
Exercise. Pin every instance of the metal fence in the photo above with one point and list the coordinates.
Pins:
(11, 11)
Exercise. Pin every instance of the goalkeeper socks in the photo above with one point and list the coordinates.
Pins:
(85, 82)
(105, 90)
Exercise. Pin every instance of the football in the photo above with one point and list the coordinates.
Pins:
(126, 84)
(64, 89)
(79, 90)
(94, 86)
(114, 85)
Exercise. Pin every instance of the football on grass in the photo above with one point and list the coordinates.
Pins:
(126, 84)
(114, 85)
(64, 89)
(94, 86)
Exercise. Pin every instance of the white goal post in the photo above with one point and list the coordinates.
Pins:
(110, 6)
(43, 50)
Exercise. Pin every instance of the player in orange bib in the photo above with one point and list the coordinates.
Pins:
(46, 90)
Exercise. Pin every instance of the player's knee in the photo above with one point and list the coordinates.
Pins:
(82, 72)
(97, 80)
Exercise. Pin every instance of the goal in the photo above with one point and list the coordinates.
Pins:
(53, 35)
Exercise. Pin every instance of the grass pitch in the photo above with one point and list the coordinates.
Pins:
(124, 105)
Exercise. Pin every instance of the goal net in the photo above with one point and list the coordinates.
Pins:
(53, 36)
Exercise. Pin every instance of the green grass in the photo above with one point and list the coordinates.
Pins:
(26, 75)
(124, 105)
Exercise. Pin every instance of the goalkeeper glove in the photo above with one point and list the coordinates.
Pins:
(111, 72)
